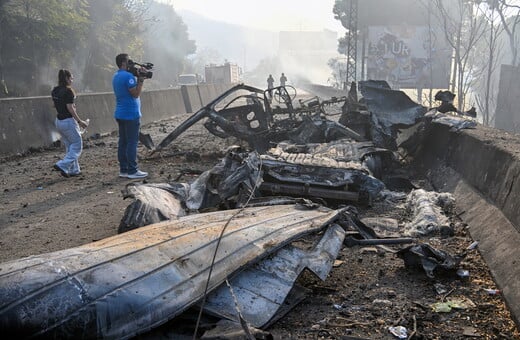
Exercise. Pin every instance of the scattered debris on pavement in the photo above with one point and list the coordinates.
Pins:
(314, 212)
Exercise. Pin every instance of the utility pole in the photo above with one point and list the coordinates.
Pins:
(352, 40)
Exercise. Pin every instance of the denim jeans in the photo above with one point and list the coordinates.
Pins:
(71, 138)
(127, 145)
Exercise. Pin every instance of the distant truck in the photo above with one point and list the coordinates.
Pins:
(227, 73)
(188, 79)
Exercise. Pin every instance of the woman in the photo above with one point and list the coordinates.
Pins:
(68, 124)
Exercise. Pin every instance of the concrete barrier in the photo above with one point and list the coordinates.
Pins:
(490, 164)
(481, 168)
(207, 93)
(161, 104)
(27, 123)
(194, 97)
(99, 108)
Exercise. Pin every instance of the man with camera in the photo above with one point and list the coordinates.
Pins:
(127, 90)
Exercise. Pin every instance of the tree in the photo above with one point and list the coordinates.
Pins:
(341, 11)
(462, 31)
(113, 29)
(485, 61)
(166, 44)
(339, 70)
(36, 34)
(509, 12)
(39, 37)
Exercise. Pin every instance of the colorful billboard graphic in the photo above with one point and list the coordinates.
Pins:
(401, 56)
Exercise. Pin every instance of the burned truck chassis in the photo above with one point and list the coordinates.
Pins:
(261, 124)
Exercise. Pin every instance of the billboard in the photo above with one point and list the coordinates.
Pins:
(407, 57)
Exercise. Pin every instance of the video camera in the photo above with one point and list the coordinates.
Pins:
(136, 71)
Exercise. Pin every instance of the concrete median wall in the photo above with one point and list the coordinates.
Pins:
(481, 168)
(27, 123)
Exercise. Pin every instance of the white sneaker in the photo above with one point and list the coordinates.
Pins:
(138, 174)
(123, 175)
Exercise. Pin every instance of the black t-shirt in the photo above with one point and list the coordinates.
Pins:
(62, 95)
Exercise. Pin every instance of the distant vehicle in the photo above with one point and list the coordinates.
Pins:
(188, 79)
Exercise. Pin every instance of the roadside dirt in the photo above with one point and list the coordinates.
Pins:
(368, 291)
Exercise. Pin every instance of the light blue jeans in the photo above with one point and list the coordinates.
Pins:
(71, 138)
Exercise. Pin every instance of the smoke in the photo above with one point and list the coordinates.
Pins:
(301, 55)
(166, 45)
(305, 69)
(237, 44)
(305, 55)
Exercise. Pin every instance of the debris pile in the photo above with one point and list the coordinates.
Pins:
(233, 245)
(428, 210)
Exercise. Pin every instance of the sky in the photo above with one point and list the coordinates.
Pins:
(275, 15)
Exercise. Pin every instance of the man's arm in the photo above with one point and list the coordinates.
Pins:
(136, 90)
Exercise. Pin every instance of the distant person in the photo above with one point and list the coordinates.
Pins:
(128, 116)
(283, 80)
(68, 124)
(270, 85)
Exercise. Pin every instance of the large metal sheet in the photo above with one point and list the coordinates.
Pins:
(127, 284)
(261, 290)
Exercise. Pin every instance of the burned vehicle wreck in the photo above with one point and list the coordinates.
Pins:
(247, 113)
(334, 172)
(296, 150)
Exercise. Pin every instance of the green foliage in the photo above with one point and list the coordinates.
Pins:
(341, 9)
(39, 37)
(339, 70)
(342, 45)
(36, 35)
(112, 30)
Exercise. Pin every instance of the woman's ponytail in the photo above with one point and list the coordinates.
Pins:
(62, 77)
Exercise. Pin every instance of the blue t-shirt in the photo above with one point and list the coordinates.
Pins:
(127, 107)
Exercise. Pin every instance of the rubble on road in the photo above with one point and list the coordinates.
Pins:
(244, 270)
(334, 172)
